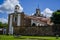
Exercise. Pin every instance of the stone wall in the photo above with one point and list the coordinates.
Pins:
(34, 30)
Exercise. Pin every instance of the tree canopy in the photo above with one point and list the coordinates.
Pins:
(2, 25)
(56, 17)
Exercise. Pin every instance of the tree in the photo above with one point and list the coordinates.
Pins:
(56, 17)
(3, 25)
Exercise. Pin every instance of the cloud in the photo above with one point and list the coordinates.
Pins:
(8, 6)
(32, 13)
(3, 20)
(47, 12)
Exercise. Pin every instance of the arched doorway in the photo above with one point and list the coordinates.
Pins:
(33, 24)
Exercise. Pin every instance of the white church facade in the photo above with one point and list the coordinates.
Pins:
(19, 19)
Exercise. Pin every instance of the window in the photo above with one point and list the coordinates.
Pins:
(15, 20)
(33, 24)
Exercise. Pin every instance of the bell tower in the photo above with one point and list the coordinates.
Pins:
(38, 11)
(38, 14)
(15, 20)
(16, 8)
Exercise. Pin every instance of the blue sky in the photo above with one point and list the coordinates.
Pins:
(29, 6)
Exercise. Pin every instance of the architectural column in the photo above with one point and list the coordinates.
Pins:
(10, 25)
(18, 20)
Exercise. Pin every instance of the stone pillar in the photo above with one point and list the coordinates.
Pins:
(10, 25)
(18, 20)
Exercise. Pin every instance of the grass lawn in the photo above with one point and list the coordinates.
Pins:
(10, 37)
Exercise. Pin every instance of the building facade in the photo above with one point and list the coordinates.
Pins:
(19, 23)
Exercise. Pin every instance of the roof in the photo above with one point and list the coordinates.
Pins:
(38, 18)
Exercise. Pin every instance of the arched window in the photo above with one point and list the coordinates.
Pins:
(15, 20)
(33, 24)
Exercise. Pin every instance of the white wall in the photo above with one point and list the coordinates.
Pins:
(18, 20)
(10, 25)
(37, 23)
(33, 21)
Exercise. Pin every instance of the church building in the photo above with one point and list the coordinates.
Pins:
(18, 19)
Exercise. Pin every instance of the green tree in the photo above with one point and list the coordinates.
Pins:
(3, 25)
(56, 17)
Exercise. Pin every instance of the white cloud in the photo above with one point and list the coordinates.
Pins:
(47, 12)
(8, 6)
(32, 13)
(3, 20)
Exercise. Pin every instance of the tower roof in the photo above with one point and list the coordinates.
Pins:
(16, 8)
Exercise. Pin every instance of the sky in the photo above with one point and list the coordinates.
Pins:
(47, 7)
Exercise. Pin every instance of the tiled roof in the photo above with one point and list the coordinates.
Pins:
(38, 18)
